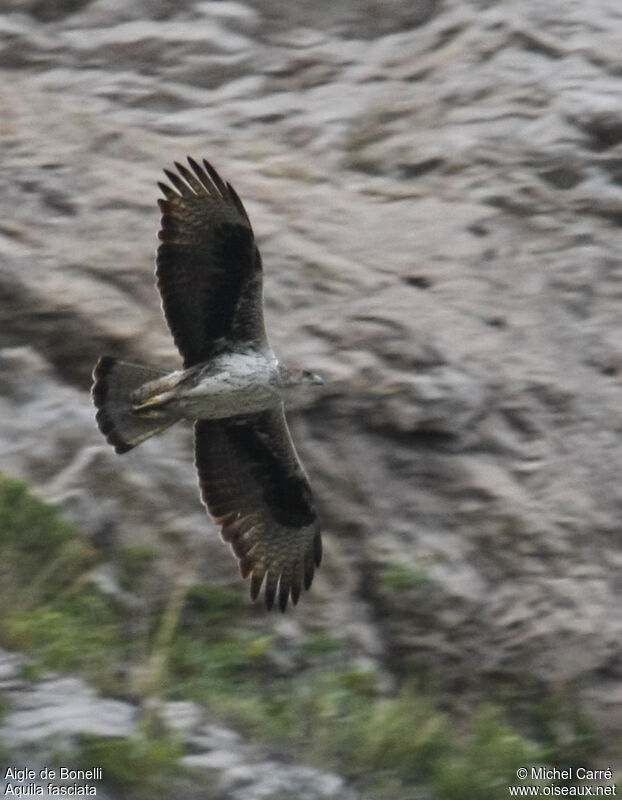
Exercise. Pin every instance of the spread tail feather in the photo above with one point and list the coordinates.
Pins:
(113, 384)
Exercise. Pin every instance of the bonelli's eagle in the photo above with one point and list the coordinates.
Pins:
(209, 274)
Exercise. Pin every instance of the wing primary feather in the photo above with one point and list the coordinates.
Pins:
(270, 590)
(238, 546)
(317, 549)
(215, 177)
(252, 546)
(238, 203)
(200, 173)
(246, 565)
(296, 586)
(167, 191)
(308, 578)
(283, 592)
(182, 188)
(256, 581)
(189, 178)
(241, 547)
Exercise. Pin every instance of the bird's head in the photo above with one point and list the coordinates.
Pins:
(294, 376)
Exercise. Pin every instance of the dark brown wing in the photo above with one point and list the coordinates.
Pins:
(256, 490)
(208, 267)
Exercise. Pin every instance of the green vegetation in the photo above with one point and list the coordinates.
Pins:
(200, 643)
(401, 577)
(321, 643)
(41, 554)
(141, 767)
(50, 609)
(569, 737)
(486, 763)
(134, 564)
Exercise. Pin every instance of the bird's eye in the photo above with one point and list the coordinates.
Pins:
(307, 374)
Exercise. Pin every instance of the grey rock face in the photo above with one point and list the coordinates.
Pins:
(436, 193)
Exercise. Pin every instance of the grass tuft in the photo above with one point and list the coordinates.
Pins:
(141, 768)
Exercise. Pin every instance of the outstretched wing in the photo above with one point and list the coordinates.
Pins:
(208, 267)
(256, 490)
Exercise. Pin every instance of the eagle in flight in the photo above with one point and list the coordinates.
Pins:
(209, 275)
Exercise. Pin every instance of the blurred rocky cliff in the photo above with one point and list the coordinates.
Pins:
(436, 188)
